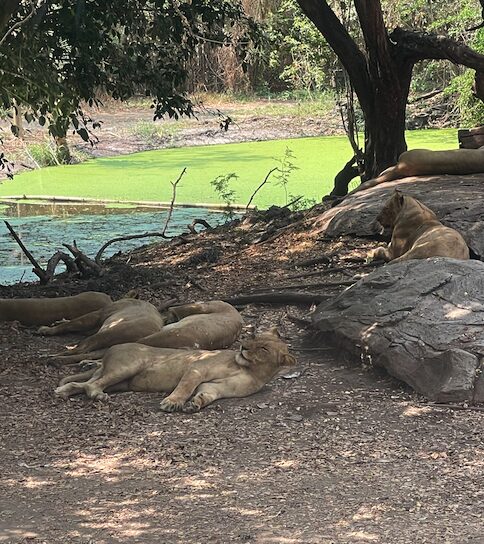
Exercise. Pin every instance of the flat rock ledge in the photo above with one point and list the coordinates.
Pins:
(458, 202)
(421, 320)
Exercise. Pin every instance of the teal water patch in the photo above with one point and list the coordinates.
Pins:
(44, 234)
(147, 175)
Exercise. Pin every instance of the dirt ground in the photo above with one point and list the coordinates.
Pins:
(331, 452)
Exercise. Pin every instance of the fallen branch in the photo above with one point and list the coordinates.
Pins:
(97, 259)
(278, 297)
(173, 198)
(332, 270)
(324, 259)
(38, 270)
(202, 222)
(83, 261)
(456, 407)
(342, 283)
(52, 263)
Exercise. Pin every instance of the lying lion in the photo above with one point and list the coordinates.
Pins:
(203, 325)
(424, 162)
(416, 232)
(194, 378)
(44, 311)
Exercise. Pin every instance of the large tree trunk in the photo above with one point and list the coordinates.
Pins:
(384, 113)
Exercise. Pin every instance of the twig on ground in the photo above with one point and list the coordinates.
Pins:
(331, 270)
(173, 198)
(324, 259)
(38, 270)
(455, 406)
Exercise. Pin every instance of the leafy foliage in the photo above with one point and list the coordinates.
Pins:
(70, 51)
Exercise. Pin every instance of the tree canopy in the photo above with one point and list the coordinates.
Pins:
(55, 55)
(379, 64)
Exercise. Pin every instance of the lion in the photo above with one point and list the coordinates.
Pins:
(416, 232)
(193, 378)
(44, 311)
(203, 325)
(425, 162)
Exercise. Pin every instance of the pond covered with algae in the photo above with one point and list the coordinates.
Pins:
(44, 228)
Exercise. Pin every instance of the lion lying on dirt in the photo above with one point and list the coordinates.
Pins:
(416, 232)
(44, 311)
(194, 378)
(203, 325)
(425, 162)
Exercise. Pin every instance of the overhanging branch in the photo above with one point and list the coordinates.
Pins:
(421, 46)
(340, 41)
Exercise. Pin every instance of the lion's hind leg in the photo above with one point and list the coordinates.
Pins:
(68, 387)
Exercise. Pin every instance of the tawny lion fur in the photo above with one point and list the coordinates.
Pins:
(425, 162)
(194, 378)
(203, 325)
(44, 311)
(416, 232)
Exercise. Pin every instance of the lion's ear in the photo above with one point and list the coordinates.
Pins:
(288, 360)
(274, 331)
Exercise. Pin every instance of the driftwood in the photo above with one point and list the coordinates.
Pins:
(277, 297)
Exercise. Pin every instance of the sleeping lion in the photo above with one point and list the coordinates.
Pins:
(194, 378)
(416, 232)
(205, 325)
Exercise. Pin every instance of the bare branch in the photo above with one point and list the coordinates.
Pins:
(18, 24)
(83, 260)
(259, 188)
(54, 261)
(202, 222)
(37, 270)
(173, 198)
(421, 45)
(97, 259)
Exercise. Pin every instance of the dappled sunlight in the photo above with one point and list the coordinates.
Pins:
(363, 536)
(416, 411)
(457, 313)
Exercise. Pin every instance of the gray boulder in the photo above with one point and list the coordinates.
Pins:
(422, 320)
(458, 202)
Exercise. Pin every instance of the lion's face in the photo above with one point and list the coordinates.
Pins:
(391, 209)
(263, 349)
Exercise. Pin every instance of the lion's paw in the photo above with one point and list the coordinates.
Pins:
(167, 405)
(191, 407)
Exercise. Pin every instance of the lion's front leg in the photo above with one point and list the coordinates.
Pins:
(183, 391)
(206, 394)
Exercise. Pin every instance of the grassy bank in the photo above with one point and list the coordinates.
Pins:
(147, 175)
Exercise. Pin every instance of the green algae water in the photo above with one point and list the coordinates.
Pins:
(146, 176)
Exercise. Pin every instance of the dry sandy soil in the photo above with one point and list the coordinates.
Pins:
(329, 453)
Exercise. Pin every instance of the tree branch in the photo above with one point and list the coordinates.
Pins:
(421, 46)
(340, 41)
(172, 203)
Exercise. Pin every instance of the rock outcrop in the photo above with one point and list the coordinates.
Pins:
(422, 320)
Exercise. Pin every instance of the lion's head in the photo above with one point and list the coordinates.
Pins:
(265, 348)
(391, 209)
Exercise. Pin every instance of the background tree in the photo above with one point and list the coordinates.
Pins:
(57, 55)
(380, 70)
